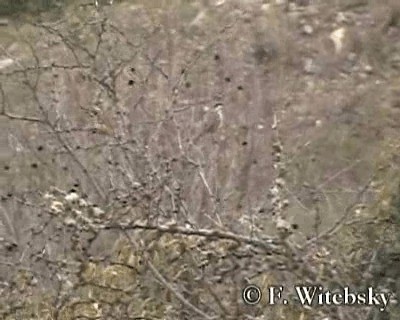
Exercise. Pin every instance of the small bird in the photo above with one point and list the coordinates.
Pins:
(213, 121)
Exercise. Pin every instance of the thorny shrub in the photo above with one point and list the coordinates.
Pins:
(130, 189)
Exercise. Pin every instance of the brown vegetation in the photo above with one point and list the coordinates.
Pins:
(159, 156)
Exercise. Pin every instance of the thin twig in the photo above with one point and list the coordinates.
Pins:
(166, 284)
(269, 244)
(342, 219)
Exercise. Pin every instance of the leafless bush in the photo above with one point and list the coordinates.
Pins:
(147, 175)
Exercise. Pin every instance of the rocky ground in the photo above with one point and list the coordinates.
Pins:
(199, 86)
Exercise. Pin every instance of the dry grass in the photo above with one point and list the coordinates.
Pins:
(120, 112)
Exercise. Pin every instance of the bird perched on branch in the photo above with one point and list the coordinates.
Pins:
(213, 121)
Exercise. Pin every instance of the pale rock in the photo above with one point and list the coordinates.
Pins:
(82, 203)
(72, 197)
(274, 190)
(283, 225)
(266, 7)
(368, 69)
(49, 196)
(69, 221)
(219, 3)
(136, 184)
(97, 212)
(77, 213)
(57, 207)
(4, 63)
(337, 38)
(307, 29)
